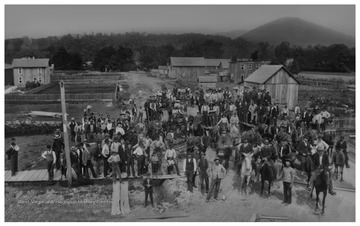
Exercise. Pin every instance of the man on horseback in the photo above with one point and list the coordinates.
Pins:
(268, 155)
(321, 162)
(245, 147)
(303, 149)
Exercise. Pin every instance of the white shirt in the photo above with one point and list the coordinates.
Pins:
(119, 130)
(297, 110)
(49, 152)
(105, 150)
(115, 146)
(138, 151)
(109, 126)
(170, 153)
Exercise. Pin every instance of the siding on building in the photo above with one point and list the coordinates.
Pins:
(281, 85)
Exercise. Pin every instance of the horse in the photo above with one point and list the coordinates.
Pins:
(302, 163)
(246, 170)
(267, 174)
(339, 160)
(320, 185)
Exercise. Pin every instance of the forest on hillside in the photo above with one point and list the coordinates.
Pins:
(130, 51)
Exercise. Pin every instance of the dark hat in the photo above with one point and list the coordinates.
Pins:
(216, 158)
(287, 159)
(148, 174)
(12, 139)
(13, 143)
(73, 148)
(202, 154)
(48, 146)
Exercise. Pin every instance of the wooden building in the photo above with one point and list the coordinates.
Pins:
(31, 70)
(278, 81)
(9, 75)
(207, 82)
(240, 69)
(187, 69)
(164, 71)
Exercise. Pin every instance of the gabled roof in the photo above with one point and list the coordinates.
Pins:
(30, 62)
(265, 72)
(188, 61)
(217, 62)
(8, 66)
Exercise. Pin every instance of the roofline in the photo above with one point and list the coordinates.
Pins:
(282, 66)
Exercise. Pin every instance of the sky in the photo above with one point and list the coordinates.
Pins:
(37, 21)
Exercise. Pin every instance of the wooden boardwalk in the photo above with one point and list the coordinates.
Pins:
(29, 176)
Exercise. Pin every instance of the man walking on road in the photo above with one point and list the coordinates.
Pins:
(217, 173)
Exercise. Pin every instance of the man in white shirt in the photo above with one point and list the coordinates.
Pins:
(216, 173)
(189, 166)
(140, 153)
(106, 154)
(170, 155)
(297, 110)
(50, 157)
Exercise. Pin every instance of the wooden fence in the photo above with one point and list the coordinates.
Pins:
(56, 97)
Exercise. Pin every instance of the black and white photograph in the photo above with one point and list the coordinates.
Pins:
(179, 113)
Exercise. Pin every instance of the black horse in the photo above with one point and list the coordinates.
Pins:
(267, 174)
(321, 185)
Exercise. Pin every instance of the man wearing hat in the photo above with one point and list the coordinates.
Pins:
(203, 166)
(287, 175)
(71, 125)
(303, 148)
(268, 154)
(170, 154)
(189, 167)
(321, 161)
(216, 173)
(57, 146)
(106, 154)
(50, 157)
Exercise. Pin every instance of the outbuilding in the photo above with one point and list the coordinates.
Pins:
(278, 81)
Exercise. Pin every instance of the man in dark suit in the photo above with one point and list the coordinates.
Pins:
(321, 162)
(274, 114)
(122, 154)
(148, 185)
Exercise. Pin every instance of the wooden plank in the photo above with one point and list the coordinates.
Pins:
(30, 175)
(43, 176)
(115, 206)
(38, 175)
(124, 197)
(7, 175)
(22, 175)
(35, 175)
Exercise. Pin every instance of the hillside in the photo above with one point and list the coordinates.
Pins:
(233, 34)
(297, 32)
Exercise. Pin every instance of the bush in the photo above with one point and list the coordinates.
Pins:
(31, 85)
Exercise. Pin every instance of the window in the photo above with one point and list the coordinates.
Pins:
(40, 79)
(35, 79)
(242, 67)
(242, 78)
(20, 70)
(257, 66)
(250, 67)
(20, 79)
(39, 71)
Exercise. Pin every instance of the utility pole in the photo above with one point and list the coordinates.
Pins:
(66, 137)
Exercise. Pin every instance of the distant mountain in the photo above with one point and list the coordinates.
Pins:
(233, 34)
(297, 32)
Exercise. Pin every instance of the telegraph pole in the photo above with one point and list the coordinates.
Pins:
(66, 137)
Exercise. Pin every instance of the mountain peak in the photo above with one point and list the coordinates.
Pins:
(297, 32)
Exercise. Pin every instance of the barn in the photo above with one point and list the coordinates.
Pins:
(278, 81)
(187, 69)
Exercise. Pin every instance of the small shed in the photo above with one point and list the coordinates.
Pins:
(187, 69)
(278, 81)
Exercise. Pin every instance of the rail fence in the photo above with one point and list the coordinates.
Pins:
(57, 97)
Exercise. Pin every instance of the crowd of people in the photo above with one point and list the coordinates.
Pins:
(145, 138)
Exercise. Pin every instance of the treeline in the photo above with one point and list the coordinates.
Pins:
(129, 51)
